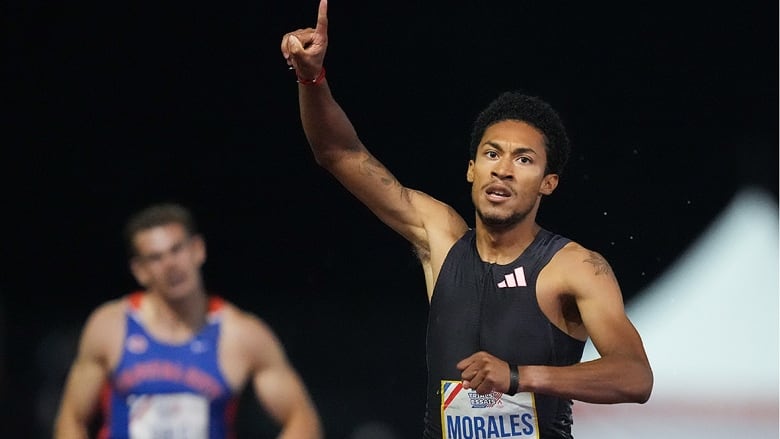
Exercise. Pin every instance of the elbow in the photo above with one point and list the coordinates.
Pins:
(636, 393)
(329, 153)
(321, 160)
(325, 158)
(633, 386)
(641, 396)
(644, 396)
(642, 388)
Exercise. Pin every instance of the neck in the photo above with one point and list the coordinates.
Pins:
(504, 245)
(177, 318)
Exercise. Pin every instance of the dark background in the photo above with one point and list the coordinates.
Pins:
(672, 109)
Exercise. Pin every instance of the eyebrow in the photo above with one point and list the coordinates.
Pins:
(176, 245)
(519, 150)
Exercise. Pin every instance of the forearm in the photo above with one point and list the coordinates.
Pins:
(328, 129)
(68, 427)
(80, 400)
(303, 424)
(601, 381)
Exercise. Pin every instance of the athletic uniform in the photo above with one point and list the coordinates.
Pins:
(161, 390)
(479, 306)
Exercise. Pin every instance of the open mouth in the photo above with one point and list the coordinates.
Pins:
(496, 192)
(175, 279)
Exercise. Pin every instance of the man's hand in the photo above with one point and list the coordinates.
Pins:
(304, 49)
(484, 373)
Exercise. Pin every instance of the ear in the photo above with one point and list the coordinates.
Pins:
(136, 267)
(549, 183)
(470, 172)
(199, 248)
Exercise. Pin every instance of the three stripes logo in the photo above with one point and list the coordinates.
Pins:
(513, 279)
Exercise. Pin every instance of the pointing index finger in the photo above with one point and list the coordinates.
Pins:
(322, 18)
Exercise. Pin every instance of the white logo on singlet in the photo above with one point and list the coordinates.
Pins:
(513, 279)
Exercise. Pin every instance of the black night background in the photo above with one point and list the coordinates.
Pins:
(671, 107)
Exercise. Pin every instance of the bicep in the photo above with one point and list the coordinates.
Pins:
(276, 384)
(407, 211)
(81, 393)
(82, 388)
(600, 304)
(100, 339)
(280, 391)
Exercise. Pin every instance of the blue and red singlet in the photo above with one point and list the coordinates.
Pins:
(171, 391)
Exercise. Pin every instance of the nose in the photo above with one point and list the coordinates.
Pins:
(169, 260)
(503, 169)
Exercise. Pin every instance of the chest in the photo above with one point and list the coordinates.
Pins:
(149, 366)
(513, 311)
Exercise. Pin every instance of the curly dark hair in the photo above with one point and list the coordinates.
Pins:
(532, 110)
(158, 215)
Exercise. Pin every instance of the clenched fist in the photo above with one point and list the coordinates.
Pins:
(304, 49)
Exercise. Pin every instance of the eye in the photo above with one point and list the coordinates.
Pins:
(152, 258)
(525, 160)
(491, 154)
(177, 248)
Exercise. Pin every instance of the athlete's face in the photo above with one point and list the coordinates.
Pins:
(168, 260)
(507, 174)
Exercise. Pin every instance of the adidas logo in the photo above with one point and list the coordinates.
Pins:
(513, 279)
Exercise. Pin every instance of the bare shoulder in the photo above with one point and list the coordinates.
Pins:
(103, 331)
(245, 327)
(579, 260)
(580, 272)
(107, 316)
(248, 343)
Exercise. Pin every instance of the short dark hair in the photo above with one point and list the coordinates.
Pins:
(157, 215)
(534, 111)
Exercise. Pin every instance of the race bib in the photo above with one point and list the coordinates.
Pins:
(169, 416)
(466, 414)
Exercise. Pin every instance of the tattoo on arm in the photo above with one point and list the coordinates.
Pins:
(373, 167)
(600, 265)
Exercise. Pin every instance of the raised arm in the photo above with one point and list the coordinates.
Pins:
(88, 373)
(418, 217)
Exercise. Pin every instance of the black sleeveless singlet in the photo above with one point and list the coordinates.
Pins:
(479, 306)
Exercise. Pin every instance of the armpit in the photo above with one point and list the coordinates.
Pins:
(422, 253)
(570, 311)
